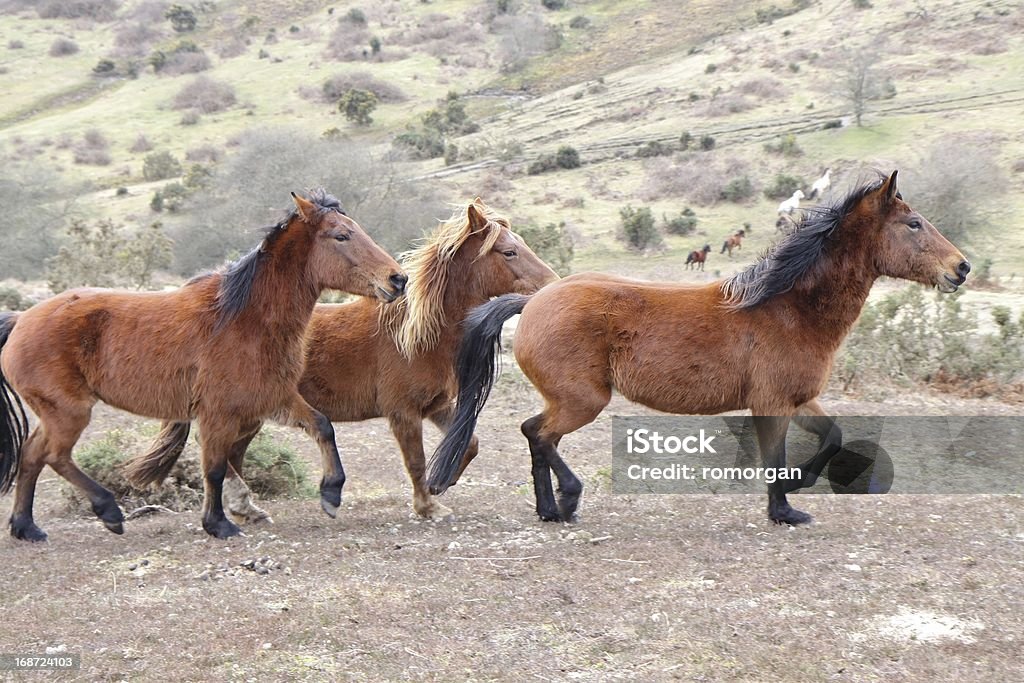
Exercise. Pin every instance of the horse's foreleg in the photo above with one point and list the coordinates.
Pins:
(216, 438)
(771, 438)
(237, 495)
(811, 417)
(408, 431)
(301, 414)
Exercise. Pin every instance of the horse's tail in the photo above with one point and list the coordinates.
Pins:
(154, 466)
(476, 368)
(690, 258)
(13, 421)
(725, 245)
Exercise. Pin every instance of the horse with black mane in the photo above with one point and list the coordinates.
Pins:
(696, 258)
(587, 334)
(406, 371)
(733, 241)
(225, 349)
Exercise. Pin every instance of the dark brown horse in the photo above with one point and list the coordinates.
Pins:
(734, 241)
(226, 349)
(697, 258)
(581, 337)
(406, 374)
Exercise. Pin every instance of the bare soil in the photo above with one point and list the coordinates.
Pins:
(701, 588)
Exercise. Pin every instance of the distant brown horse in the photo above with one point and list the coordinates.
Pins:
(407, 374)
(581, 337)
(734, 241)
(226, 349)
(697, 258)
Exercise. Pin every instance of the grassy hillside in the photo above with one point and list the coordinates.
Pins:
(613, 76)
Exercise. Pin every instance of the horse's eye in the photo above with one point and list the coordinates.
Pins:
(914, 225)
(509, 254)
(341, 237)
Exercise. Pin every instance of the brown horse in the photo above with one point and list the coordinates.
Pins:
(406, 375)
(734, 241)
(225, 349)
(697, 258)
(580, 338)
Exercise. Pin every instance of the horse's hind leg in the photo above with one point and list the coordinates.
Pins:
(544, 432)
(237, 497)
(771, 438)
(811, 417)
(32, 461)
(216, 437)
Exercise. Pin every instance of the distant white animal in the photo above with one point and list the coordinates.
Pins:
(792, 203)
(822, 184)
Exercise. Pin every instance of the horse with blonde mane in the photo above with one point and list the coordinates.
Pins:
(763, 339)
(364, 360)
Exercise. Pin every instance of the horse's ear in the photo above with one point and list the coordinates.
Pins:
(888, 189)
(304, 207)
(476, 219)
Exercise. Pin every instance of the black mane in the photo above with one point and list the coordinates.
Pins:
(238, 277)
(784, 263)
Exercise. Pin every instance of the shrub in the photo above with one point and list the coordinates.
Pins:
(357, 105)
(183, 19)
(685, 140)
(711, 68)
(707, 143)
(567, 157)
(15, 45)
(62, 47)
(104, 256)
(638, 229)
(786, 146)
(105, 67)
(553, 5)
(766, 15)
(653, 149)
(93, 149)
(552, 243)
(451, 154)
(375, 45)
(542, 164)
(783, 186)
(683, 224)
(206, 152)
(99, 10)
(355, 16)
(430, 138)
(338, 84)
(11, 299)
(832, 123)
(738, 189)
(205, 95)
(160, 165)
(579, 22)
(121, 192)
(189, 118)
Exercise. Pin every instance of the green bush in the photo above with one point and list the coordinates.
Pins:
(357, 105)
(738, 190)
(653, 149)
(567, 157)
(552, 243)
(783, 186)
(638, 229)
(786, 146)
(160, 165)
(542, 164)
(579, 22)
(683, 224)
(707, 143)
(685, 140)
(105, 255)
(183, 19)
(11, 299)
(275, 469)
(429, 139)
(553, 4)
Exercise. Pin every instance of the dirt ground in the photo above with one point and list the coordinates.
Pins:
(701, 588)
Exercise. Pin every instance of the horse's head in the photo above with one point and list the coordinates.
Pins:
(909, 247)
(344, 257)
(798, 195)
(509, 265)
(707, 248)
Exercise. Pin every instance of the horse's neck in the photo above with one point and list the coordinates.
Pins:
(831, 300)
(461, 296)
(284, 294)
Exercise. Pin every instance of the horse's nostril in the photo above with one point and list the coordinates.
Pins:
(963, 268)
(398, 281)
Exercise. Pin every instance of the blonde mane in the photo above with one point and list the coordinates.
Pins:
(415, 321)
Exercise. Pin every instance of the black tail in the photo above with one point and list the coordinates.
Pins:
(477, 368)
(13, 421)
(725, 245)
(154, 466)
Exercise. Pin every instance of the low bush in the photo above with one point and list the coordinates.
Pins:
(551, 242)
(738, 189)
(205, 95)
(653, 149)
(62, 47)
(160, 165)
(782, 186)
(638, 230)
(683, 224)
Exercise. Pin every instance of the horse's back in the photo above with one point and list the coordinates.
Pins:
(107, 344)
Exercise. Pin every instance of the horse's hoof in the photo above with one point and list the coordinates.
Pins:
(330, 509)
(434, 511)
(549, 516)
(222, 528)
(116, 527)
(27, 532)
(788, 515)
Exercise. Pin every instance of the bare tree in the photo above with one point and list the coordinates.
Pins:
(860, 81)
